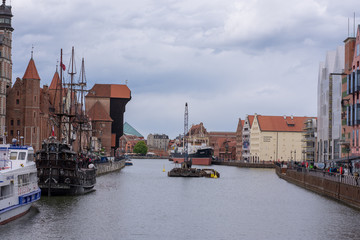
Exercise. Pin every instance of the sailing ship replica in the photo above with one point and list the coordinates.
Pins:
(61, 169)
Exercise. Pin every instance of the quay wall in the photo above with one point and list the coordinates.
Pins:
(245, 165)
(334, 187)
(103, 168)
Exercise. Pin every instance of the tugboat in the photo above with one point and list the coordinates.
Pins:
(18, 181)
(61, 171)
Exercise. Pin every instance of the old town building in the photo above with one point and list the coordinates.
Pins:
(246, 131)
(277, 138)
(105, 105)
(24, 121)
(158, 141)
(5, 63)
(224, 145)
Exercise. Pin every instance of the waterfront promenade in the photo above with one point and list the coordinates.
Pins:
(344, 188)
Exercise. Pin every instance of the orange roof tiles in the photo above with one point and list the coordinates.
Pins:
(251, 120)
(31, 71)
(55, 83)
(98, 113)
(281, 123)
(242, 122)
(110, 90)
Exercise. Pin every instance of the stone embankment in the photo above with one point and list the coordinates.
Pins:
(343, 188)
(245, 165)
(107, 167)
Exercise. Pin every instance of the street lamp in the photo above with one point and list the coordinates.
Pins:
(295, 155)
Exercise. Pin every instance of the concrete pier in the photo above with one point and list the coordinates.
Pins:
(104, 168)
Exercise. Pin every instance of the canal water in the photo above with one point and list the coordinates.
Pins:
(141, 202)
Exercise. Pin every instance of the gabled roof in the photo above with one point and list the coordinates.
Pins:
(281, 123)
(110, 91)
(129, 130)
(251, 120)
(55, 82)
(31, 71)
(98, 113)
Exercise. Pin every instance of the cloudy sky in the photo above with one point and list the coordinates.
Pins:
(226, 58)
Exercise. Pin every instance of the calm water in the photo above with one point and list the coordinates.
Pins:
(141, 202)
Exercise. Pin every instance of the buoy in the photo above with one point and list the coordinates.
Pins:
(164, 168)
(215, 175)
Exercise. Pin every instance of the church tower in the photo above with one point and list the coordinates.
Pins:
(5, 60)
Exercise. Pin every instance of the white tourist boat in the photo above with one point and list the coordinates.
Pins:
(18, 181)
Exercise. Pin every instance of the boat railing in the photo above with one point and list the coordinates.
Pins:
(5, 164)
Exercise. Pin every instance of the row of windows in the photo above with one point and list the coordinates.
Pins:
(5, 20)
(12, 122)
(353, 83)
(353, 115)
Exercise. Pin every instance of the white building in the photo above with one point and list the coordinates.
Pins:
(329, 105)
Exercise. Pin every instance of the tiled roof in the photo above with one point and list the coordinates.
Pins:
(31, 71)
(129, 130)
(251, 120)
(242, 122)
(98, 113)
(110, 91)
(281, 123)
(55, 83)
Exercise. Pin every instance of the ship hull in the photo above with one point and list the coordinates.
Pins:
(14, 212)
(195, 161)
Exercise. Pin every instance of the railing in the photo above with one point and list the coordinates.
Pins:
(335, 177)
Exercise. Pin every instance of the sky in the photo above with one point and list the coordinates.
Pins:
(225, 58)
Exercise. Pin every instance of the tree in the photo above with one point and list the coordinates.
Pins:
(140, 148)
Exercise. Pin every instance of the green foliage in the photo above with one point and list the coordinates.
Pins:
(140, 148)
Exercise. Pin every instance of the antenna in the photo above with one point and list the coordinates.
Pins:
(32, 51)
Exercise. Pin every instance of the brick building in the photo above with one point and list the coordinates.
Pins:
(110, 100)
(28, 109)
(224, 145)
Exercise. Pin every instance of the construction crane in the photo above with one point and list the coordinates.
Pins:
(187, 163)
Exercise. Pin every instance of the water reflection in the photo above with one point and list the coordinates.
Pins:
(141, 202)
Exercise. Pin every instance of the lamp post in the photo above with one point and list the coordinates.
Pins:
(295, 155)
(291, 155)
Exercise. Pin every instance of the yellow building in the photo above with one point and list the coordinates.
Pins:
(277, 138)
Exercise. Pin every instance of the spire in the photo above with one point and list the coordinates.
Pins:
(31, 71)
(55, 83)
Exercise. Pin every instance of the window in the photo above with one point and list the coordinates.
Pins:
(22, 155)
(12, 122)
(11, 132)
(17, 101)
(13, 155)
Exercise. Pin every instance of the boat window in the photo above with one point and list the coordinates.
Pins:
(13, 155)
(30, 157)
(22, 155)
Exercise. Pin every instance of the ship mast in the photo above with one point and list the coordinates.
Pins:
(82, 83)
(61, 96)
(71, 73)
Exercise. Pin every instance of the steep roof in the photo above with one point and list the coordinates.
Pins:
(31, 71)
(281, 123)
(55, 82)
(129, 130)
(251, 120)
(110, 91)
(98, 113)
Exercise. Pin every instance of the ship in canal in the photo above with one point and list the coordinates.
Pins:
(61, 169)
(203, 155)
(18, 181)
